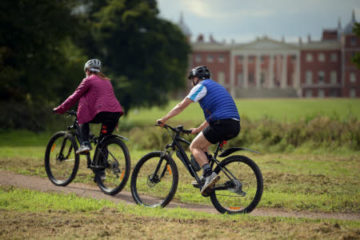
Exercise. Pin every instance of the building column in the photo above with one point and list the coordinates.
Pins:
(283, 83)
(257, 71)
(245, 71)
(232, 76)
(297, 76)
(271, 71)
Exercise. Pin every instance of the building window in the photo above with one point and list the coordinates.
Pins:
(221, 78)
(240, 59)
(251, 59)
(333, 93)
(240, 79)
(309, 57)
(221, 59)
(352, 92)
(321, 57)
(308, 77)
(210, 58)
(262, 59)
(334, 57)
(321, 93)
(333, 77)
(308, 93)
(353, 41)
(198, 58)
(352, 77)
(321, 76)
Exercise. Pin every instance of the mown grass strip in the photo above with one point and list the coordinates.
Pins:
(24, 200)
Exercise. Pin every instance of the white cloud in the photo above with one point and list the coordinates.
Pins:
(216, 9)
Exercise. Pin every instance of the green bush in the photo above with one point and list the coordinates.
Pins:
(272, 135)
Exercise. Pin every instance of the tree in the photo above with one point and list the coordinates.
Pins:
(145, 56)
(356, 58)
(38, 61)
(32, 36)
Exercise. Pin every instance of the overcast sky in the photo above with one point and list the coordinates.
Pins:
(244, 20)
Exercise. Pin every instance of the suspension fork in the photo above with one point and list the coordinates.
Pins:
(61, 156)
(162, 156)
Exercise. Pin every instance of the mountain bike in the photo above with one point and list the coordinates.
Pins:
(155, 177)
(110, 162)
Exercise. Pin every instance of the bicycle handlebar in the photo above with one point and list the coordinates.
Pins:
(71, 112)
(178, 129)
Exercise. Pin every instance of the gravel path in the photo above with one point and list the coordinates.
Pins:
(84, 190)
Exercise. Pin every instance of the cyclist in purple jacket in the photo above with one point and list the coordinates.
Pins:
(97, 104)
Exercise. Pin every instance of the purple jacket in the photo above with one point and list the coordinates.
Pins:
(95, 95)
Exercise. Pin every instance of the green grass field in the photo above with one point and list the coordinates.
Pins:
(254, 109)
(307, 178)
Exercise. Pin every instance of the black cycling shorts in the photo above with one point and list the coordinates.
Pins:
(220, 130)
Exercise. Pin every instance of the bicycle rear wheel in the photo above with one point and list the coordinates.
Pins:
(242, 193)
(61, 160)
(114, 156)
(154, 180)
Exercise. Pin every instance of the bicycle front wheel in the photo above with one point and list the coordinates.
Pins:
(115, 159)
(61, 160)
(240, 189)
(154, 180)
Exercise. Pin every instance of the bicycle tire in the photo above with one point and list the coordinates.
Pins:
(251, 180)
(60, 169)
(145, 189)
(117, 169)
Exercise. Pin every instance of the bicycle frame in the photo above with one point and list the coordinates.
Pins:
(180, 152)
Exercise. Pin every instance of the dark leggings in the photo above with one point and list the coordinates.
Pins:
(108, 122)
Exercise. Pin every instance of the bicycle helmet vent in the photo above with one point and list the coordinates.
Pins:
(94, 65)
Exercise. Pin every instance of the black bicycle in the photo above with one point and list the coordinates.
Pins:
(155, 177)
(110, 163)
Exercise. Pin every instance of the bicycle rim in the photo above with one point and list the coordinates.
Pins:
(61, 161)
(242, 194)
(154, 188)
(115, 158)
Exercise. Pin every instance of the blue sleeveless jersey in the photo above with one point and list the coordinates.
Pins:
(217, 103)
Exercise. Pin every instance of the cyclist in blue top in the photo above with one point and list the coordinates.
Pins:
(222, 119)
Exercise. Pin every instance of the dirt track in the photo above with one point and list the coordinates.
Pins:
(83, 190)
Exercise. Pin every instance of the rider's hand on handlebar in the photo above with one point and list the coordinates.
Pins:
(54, 110)
(194, 130)
(160, 122)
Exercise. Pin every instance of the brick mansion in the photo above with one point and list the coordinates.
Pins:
(269, 68)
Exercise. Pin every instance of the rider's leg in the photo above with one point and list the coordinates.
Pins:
(198, 147)
(84, 138)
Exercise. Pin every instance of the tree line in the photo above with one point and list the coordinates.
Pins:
(45, 43)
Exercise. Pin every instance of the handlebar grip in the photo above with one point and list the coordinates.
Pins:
(187, 131)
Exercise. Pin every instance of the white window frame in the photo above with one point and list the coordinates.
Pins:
(221, 78)
(352, 77)
(321, 57)
(321, 93)
(334, 57)
(221, 58)
(352, 93)
(210, 58)
(333, 77)
(309, 77)
(198, 58)
(309, 57)
(308, 93)
(321, 77)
